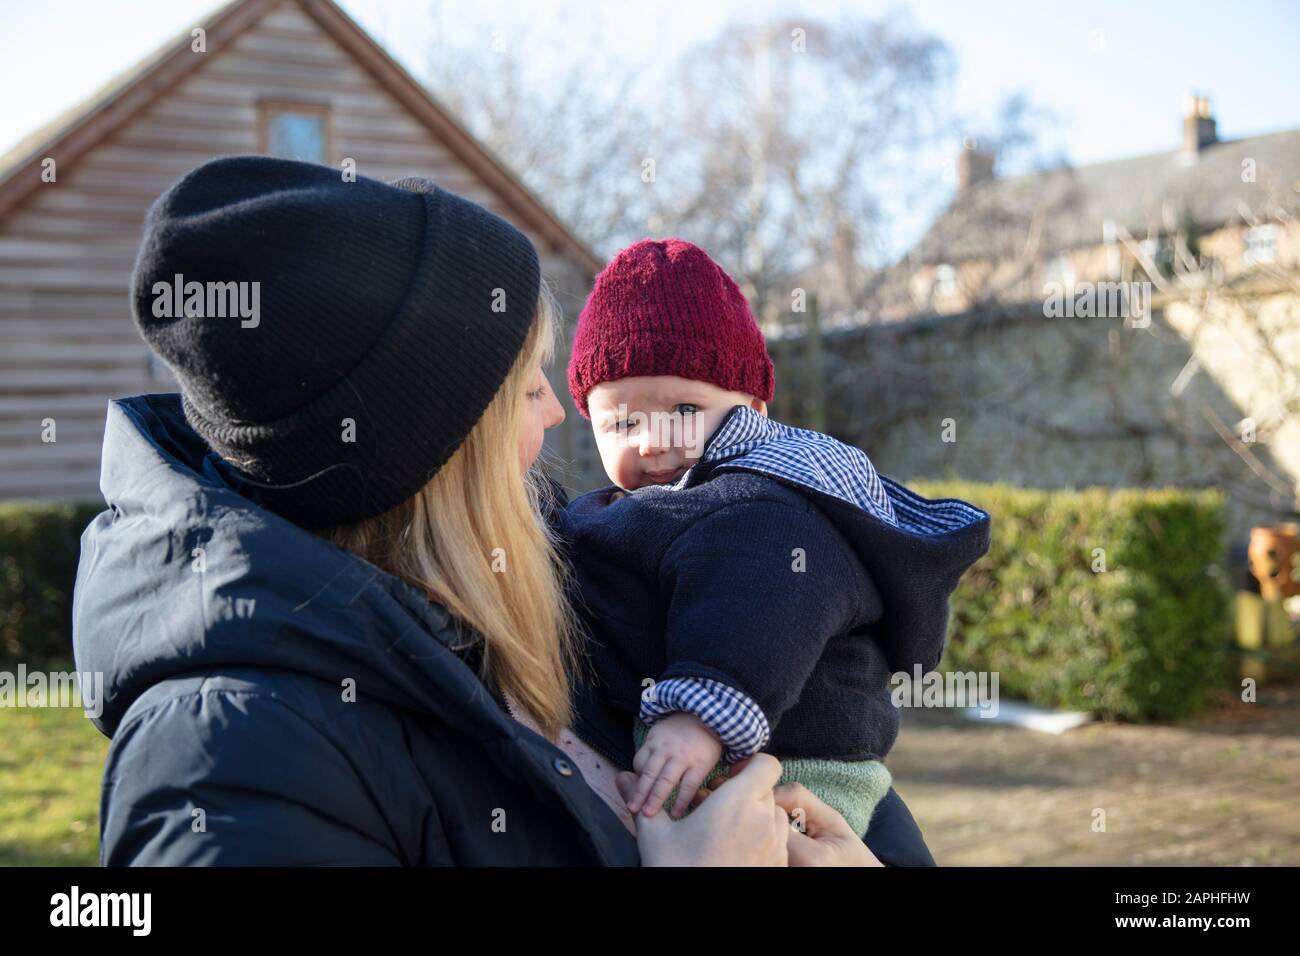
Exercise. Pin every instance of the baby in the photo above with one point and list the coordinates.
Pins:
(747, 585)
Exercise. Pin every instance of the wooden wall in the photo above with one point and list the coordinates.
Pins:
(67, 340)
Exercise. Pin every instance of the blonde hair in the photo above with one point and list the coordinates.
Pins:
(474, 540)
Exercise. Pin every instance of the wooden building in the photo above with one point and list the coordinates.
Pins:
(295, 78)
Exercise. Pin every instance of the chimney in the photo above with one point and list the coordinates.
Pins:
(972, 166)
(1198, 126)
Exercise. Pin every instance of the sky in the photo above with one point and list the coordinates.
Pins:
(1115, 75)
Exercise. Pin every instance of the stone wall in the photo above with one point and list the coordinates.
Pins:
(1019, 398)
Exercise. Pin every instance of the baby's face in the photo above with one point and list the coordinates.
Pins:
(651, 428)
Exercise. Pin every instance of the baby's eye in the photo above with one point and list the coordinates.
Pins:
(687, 408)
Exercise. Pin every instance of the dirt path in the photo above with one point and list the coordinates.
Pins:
(1221, 789)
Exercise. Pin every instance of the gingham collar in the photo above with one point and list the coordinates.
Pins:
(749, 441)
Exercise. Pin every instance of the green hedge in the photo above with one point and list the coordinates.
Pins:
(39, 548)
(1145, 639)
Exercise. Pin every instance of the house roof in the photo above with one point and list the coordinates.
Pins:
(1066, 208)
(78, 130)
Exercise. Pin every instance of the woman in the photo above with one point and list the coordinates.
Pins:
(325, 599)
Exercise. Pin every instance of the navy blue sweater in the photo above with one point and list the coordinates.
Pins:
(781, 565)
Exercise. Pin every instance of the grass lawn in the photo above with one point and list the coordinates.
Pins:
(51, 760)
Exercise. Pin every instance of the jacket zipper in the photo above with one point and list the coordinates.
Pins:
(596, 847)
(505, 699)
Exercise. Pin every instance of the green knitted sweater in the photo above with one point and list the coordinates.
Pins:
(851, 787)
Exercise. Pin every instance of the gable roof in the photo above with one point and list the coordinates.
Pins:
(1067, 207)
(71, 135)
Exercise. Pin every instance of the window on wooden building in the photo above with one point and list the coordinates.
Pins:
(294, 131)
(945, 282)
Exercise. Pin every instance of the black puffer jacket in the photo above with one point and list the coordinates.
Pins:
(273, 699)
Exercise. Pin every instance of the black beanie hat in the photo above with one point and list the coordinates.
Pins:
(387, 316)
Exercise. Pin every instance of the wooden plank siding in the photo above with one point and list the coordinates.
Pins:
(67, 340)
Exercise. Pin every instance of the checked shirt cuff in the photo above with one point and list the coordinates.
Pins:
(738, 721)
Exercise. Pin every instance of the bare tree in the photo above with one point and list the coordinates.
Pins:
(770, 144)
(562, 106)
(791, 131)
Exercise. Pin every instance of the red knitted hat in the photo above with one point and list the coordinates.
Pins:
(663, 307)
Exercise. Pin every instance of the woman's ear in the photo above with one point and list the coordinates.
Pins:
(758, 405)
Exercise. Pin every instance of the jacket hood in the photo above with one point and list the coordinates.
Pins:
(182, 575)
(915, 549)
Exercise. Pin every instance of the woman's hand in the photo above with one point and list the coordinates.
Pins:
(827, 840)
(738, 826)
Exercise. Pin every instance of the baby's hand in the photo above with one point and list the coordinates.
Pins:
(679, 751)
